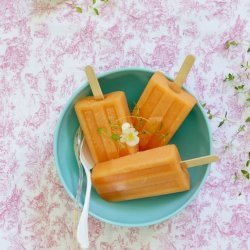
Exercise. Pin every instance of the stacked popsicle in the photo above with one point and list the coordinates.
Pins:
(121, 172)
(100, 117)
(147, 173)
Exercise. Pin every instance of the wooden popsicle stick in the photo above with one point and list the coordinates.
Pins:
(183, 73)
(200, 161)
(93, 82)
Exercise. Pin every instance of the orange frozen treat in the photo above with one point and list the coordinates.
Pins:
(100, 118)
(162, 108)
(148, 173)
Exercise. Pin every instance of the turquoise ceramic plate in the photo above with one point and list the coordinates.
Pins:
(192, 139)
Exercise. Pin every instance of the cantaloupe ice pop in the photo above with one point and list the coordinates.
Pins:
(147, 173)
(162, 107)
(100, 117)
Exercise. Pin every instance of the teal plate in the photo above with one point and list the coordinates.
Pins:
(193, 139)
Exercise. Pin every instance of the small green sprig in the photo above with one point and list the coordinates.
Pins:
(239, 81)
(96, 11)
(230, 77)
(114, 135)
(78, 9)
(245, 66)
(239, 87)
(74, 6)
(231, 43)
(158, 130)
(223, 120)
(245, 170)
(116, 128)
(239, 130)
(94, 6)
(211, 116)
(245, 173)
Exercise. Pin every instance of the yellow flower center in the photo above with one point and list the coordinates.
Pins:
(130, 136)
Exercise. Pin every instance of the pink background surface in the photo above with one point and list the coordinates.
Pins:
(42, 56)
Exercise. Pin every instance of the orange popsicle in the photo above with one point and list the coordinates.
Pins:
(100, 118)
(148, 173)
(162, 108)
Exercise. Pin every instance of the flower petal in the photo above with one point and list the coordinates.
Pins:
(133, 142)
(125, 126)
(122, 138)
(128, 131)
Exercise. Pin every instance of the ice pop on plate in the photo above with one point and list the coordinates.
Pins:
(147, 173)
(162, 107)
(100, 118)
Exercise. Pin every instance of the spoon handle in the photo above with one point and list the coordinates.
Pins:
(82, 229)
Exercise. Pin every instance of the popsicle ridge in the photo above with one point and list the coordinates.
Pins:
(141, 175)
(158, 100)
(97, 119)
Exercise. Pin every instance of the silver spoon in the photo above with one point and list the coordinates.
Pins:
(87, 163)
(77, 144)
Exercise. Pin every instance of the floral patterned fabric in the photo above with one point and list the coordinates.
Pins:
(43, 51)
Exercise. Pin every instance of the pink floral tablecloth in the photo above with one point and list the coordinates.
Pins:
(43, 50)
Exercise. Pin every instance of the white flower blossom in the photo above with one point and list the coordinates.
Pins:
(129, 135)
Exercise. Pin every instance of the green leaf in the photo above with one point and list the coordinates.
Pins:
(225, 115)
(234, 43)
(203, 105)
(229, 43)
(247, 163)
(229, 77)
(248, 50)
(249, 155)
(78, 9)
(96, 11)
(94, 1)
(221, 123)
(239, 87)
(248, 119)
(115, 137)
(245, 173)
(100, 130)
(241, 128)
(210, 116)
